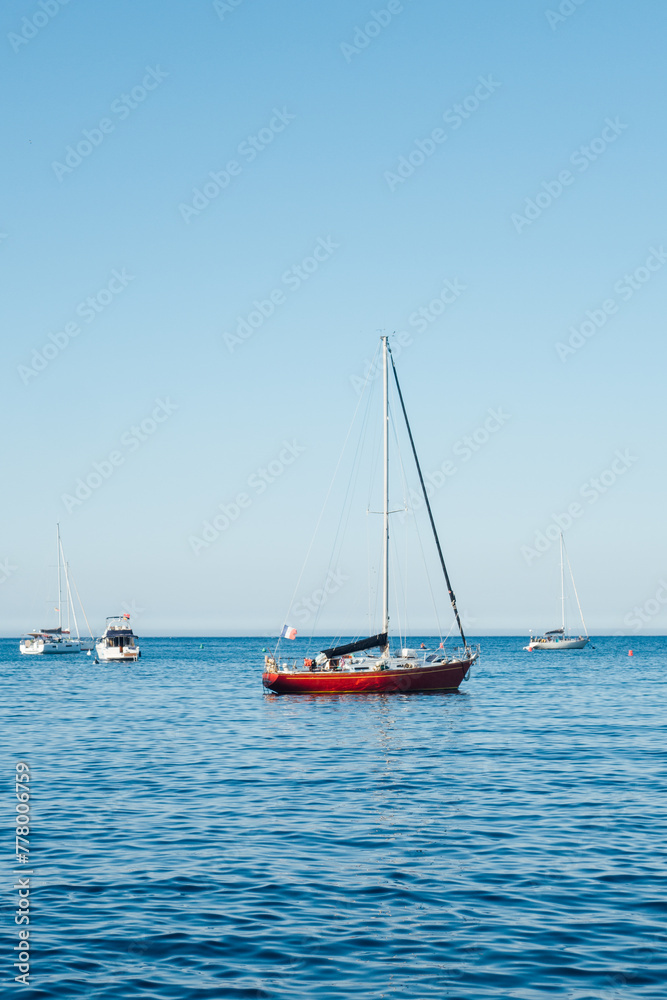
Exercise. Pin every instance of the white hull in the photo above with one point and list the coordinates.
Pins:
(558, 643)
(560, 638)
(34, 647)
(116, 653)
(408, 659)
(56, 641)
(117, 643)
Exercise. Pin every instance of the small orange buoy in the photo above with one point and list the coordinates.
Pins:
(630, 653)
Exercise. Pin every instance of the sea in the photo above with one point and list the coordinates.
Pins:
(192, 836)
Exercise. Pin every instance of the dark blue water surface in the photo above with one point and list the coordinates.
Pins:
(195, 837)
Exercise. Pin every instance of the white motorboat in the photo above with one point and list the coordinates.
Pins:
(561, 638)
(117, 642)
(58, 640)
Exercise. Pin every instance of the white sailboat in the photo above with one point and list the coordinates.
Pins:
(60, 639)
(561, 638)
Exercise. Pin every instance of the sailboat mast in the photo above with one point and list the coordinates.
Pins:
(60, 594)
(385, 418)
(562, 585)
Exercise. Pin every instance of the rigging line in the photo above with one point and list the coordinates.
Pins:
(69, 595)
(373, 588)
(404, 478)
(373, 582)
(70, 602)
(346, 510)
(575, 588)
(400, 629)
(371, 561)
(60, 589)
(394, 427)
(333, 479)
(369, 581)
(375, 453)
(419, 538)
(449, 632)
(73, 581)
(428, 580)
(452, 598)
(393, 424)
(406, 610)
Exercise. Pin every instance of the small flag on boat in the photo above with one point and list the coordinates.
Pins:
(126, 615)
(288, 632)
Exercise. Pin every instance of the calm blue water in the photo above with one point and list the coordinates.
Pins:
(194, 837)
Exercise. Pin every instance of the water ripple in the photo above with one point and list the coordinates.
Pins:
(194, 837)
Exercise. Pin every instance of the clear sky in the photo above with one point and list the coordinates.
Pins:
(210, 213)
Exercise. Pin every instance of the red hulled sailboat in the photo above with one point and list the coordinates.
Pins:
(352, 668)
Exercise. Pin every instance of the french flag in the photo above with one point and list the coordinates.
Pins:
(288, 632)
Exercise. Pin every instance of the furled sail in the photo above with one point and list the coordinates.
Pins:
(356, 647)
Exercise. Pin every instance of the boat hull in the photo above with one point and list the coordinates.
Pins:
(116, 654)
(561, 644)
(440, 677)
(49, 648)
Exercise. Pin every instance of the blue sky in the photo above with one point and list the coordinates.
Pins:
(532, 152)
